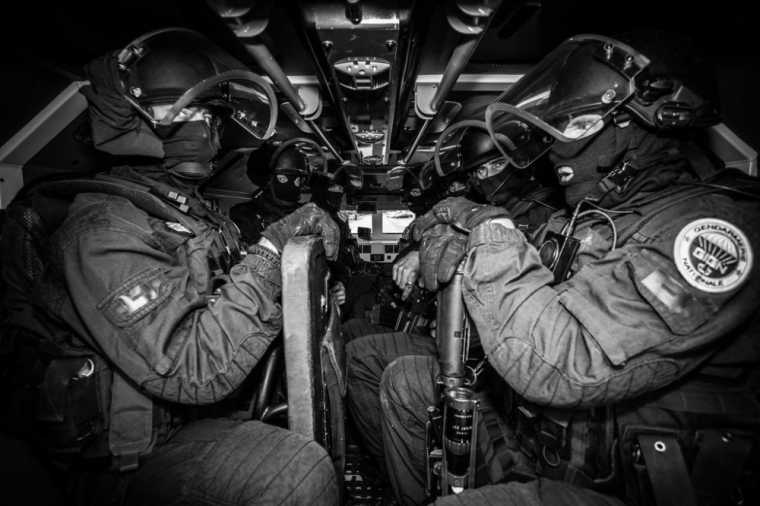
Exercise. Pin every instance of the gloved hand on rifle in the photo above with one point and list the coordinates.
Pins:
(443, 234)
(306, 220)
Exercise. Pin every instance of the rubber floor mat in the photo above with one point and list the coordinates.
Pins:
(365, 485)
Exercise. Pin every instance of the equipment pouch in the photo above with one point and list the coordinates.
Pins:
(689, 467)
(70, 404)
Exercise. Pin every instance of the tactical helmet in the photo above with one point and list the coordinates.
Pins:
(347, 175)
(417, 195)
(678, 89)
(294, 156)
(463, 147)
(290, 161)
(658, 78)
(183, 68)
(477, 148)
(404, 178)
(291, 157)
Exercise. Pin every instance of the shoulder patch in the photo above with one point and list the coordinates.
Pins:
(179, 228)
(713, 255)
(136, 297)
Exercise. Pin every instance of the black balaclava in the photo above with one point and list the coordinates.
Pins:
(420, 204)
(189, 147)
(323, 197)
(499, 188)
(591, 160)
(286, 188)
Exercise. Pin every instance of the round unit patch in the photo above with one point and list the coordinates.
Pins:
(713, 255)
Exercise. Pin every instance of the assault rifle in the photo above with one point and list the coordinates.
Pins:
(451, 430)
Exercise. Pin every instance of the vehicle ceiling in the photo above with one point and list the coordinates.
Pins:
(47, 45)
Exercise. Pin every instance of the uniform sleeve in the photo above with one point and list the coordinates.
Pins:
(624, 325)
(146, 312)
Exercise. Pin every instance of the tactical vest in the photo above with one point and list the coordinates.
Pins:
(696, 441)
(57, 390)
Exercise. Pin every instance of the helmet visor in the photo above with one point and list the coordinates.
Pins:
(395, 178)
(316, 160)
(183, 68)
(251, 99)
(566, 96)
(427, 175)
(448, 155)
(447, 158)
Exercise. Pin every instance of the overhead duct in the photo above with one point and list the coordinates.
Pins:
(365, 52)
(469, 18)
(248, 19)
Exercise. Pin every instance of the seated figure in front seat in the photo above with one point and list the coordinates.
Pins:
(280, 171)
(379, 308)
(475, 157)
(149, 313)
(624, 334)
(328, 188)
(496, 181)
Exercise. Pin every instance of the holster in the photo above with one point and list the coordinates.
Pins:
(70, 403)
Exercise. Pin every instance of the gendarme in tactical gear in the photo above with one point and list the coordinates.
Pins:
(488, 169)
(135, 309)
(328, 184)
(148, 74)
(280, 171)
(407, 179)
(623, 333)
(466, 148)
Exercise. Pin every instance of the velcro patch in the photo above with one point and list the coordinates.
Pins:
(135, 297)
(138, 297)
(179, 228)
(670, 292)
(713, 255)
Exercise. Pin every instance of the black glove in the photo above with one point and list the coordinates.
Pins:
(460, 213)
(442, 250)
(306, 220)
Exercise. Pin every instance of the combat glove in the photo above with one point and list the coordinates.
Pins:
(306, 220)
(442, 250)
(462, 214)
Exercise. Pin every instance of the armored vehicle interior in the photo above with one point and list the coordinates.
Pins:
(374, 83)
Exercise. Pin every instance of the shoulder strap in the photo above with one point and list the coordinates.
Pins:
(666, 469)
(136, 193)
(649, 213)
(531, 200)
